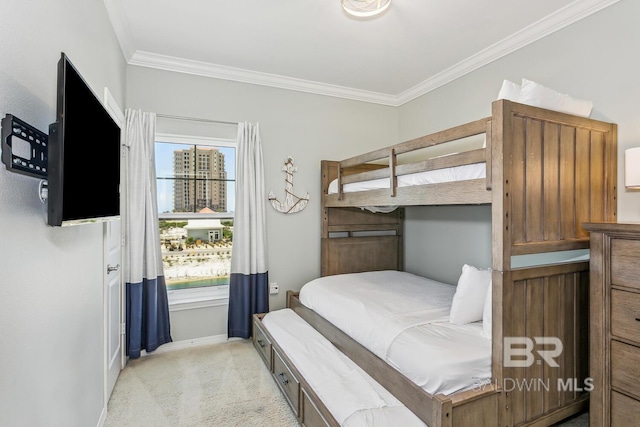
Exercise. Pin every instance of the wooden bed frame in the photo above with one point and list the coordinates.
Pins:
(547, 173)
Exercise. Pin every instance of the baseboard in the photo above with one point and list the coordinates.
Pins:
(103, 417)
(196, 342)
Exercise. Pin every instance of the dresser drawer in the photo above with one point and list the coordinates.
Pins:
(625, 312)
(286, 381)
(262, 343)
(625, 268)
(624, 410)
(625, 367)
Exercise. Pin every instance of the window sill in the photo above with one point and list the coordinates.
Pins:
(188, 299)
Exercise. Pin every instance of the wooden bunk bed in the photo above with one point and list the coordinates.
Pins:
(546, 174)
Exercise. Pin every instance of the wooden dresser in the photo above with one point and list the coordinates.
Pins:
(614, 324)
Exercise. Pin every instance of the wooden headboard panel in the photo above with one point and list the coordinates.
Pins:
(356, 240)
(562, 171)
(358, 254)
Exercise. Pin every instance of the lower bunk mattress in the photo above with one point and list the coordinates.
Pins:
(352, 397)
(404, 319)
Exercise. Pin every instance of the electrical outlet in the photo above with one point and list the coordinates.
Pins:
(273, 288)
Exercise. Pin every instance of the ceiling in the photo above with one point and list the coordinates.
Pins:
(314, 46)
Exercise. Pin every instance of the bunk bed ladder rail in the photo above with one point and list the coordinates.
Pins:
(489, 154)
(393, 178)
(339, 178)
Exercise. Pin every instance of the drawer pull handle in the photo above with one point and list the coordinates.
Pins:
(638, 319)
(260, 343)
(283, 379)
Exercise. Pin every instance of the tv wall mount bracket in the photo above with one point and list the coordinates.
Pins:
(24, 148)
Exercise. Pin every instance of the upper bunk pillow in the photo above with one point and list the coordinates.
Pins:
(468, 301)
(532, 93)
(486, 315)
(537, 95)
(509, 91)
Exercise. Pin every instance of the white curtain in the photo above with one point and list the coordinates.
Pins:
(147, 324)
(249, 281)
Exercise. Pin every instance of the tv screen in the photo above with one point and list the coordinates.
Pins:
(84, 154)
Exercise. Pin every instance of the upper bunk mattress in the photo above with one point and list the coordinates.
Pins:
(404, 319)
(350, 394)
(456, 173)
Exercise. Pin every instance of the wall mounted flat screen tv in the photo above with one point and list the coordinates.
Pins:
(84, 154)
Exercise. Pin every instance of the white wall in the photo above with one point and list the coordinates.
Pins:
(51, 308)
(594, 59)
(308, 127)
(440, 239)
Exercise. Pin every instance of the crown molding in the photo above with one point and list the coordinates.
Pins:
(187, 66)
(558, 20)
(562, 18)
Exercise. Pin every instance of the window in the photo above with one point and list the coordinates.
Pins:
(196, 197)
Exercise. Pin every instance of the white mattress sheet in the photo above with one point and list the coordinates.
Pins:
(350, 394)
(374, 307)
(456, 173)
(404, 319)
(442, 357)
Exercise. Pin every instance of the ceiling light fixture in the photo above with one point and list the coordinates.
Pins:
(365, 8)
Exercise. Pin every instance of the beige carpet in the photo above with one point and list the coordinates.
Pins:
(213, 385)
(216, 385)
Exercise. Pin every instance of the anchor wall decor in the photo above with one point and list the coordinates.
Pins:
(292, 203)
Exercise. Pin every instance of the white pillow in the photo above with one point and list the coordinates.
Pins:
(486, 314)
(468, 301)
(532, 93)
(509, 91)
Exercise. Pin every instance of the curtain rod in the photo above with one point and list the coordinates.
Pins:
(194, 119)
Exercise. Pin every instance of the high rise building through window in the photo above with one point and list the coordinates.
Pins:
(200, 180)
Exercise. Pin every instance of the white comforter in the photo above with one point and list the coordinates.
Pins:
(403, 319)
(442, 357)
(374, 307)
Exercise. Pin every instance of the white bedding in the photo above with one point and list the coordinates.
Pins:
(443, 357)
(351, 395)
(404, 319)
(382, 303)
(456, 173)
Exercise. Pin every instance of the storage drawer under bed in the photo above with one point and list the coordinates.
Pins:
(311, 416)
(287, 382)
(305, 404)
(262, 344)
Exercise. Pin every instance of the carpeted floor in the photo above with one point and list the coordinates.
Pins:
(213, 385)
(219, 385)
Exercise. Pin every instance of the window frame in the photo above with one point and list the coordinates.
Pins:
(210, 296)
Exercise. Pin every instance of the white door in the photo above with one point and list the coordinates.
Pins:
(113, 303)
(113, 286)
